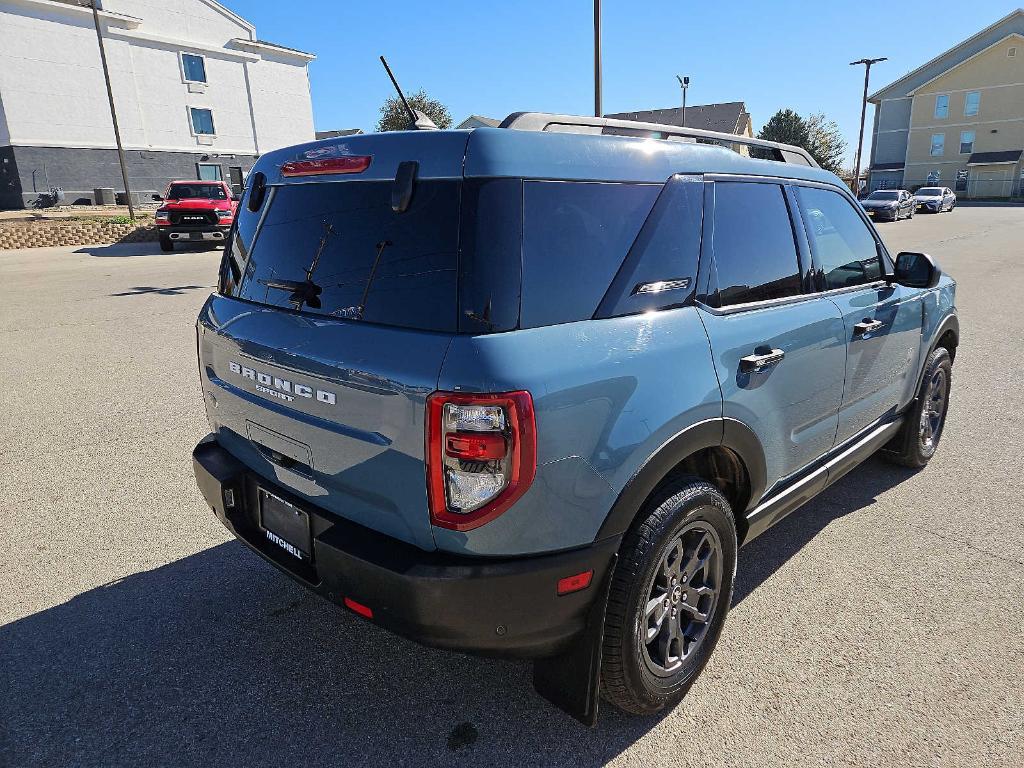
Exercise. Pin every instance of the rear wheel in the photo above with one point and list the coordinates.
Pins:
(917, 440)
(166, 244)
(669, 596)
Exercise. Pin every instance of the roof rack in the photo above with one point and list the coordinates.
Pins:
(607, 126)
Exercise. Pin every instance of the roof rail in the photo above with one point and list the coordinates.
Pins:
(607, 126)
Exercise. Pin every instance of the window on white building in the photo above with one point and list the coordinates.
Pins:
(938, 144)
(209, 172)
(193, 67)
(202, 121)
(972, 103)
(942, 106)
(966, 142)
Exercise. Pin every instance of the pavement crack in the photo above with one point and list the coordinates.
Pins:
(969, 546)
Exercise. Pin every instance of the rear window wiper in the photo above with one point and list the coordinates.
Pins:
(305, 292)
(356, 312)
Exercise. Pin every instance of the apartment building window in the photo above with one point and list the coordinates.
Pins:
(972, 103)
(1011, 52)
(966, 142)
(209, 172)
(193, 67)
(942, 106)
(938, 144)
(202, 121)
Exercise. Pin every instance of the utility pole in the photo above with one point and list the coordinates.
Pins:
(863, 112)
(597, 59)
(684, 83)
(113, 112)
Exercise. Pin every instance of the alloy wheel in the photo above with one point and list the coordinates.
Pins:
(681, 598)
(934, 409)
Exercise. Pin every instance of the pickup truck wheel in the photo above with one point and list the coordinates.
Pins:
(669, 596)
(917, 440)
(166, 244)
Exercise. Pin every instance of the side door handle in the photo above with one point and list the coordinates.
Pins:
(761, 359)
(867, 325)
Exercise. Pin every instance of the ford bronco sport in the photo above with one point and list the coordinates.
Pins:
(525, 390)
(195, 211)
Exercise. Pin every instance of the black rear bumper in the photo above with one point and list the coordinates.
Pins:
(507, 606)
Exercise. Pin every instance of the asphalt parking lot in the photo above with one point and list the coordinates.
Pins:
(881, 624)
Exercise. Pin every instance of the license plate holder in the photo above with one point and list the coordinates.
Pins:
(285, 526)
(195, 236)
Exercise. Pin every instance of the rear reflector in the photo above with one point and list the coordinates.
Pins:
(482, 446)
(326, 166)
(575, 583)
(359, 608)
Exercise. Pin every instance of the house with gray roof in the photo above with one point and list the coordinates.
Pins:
(728, 117)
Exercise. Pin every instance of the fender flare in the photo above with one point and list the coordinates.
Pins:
(950, 323)
(711, 433)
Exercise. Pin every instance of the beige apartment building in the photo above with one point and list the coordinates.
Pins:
(957, 121)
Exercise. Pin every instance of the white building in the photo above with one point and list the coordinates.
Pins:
(197, 95)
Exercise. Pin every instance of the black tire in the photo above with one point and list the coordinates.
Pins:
(166, 244)
(917, 440)
(688, 516)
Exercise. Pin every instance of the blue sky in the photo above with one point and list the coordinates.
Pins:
(493, 58)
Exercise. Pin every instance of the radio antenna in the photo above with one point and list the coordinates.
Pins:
(417, 120)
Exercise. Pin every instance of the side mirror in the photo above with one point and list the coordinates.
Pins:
(916, 270)
(158, 198)
(236, 198)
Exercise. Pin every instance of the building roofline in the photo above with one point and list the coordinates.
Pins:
(262, 45)
(248, 25)
(874, 98)
(973, 56)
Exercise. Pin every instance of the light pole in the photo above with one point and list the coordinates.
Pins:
(113, 112)
(684, 83)
(863, 111)
(597, 58)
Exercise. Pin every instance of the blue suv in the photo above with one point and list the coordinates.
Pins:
(525, 390)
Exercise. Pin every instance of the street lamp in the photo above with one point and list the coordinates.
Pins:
(684, 83)
(863, 111)
(597, 59)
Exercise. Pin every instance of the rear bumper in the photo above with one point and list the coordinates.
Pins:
(506, 607)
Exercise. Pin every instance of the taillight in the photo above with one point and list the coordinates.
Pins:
(326, 165)
(481, 455)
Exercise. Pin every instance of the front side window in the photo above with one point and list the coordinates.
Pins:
(194, 68)
(755, 253)
(942, 106)
(938, 144)
(202, 121)
(972, 103)
(966, 142)
(841, 243)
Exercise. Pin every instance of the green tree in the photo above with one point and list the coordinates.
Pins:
(826, 143)
(786, 127)
(393, 116)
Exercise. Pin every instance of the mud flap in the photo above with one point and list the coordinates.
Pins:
(572, 680)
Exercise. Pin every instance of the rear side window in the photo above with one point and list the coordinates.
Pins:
(841, 243)
(755, 253)
(660, 270)
(575, 237)
(364, 261)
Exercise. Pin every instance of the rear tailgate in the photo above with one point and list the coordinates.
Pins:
(332, 410)
(336, 307)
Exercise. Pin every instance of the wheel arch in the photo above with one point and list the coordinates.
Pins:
(725, 452)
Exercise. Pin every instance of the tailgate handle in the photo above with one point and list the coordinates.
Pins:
(287, 462)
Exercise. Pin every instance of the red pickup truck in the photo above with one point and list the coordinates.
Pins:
(196, 212)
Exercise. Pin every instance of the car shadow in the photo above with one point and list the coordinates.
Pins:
(218, 659)
(170, 290)
(858, 490)
(122, 250)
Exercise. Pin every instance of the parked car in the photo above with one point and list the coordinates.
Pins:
(195, 211)
(525, 390)
(890, 204)
(935, 199)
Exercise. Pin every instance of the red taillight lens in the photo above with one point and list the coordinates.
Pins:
(481, 455)
(326, 165)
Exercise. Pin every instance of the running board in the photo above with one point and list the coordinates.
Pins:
(768, 513)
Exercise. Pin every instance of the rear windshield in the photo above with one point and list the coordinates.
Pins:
(929, 191)
(339, 249)
(884, 196)
(196, 191)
